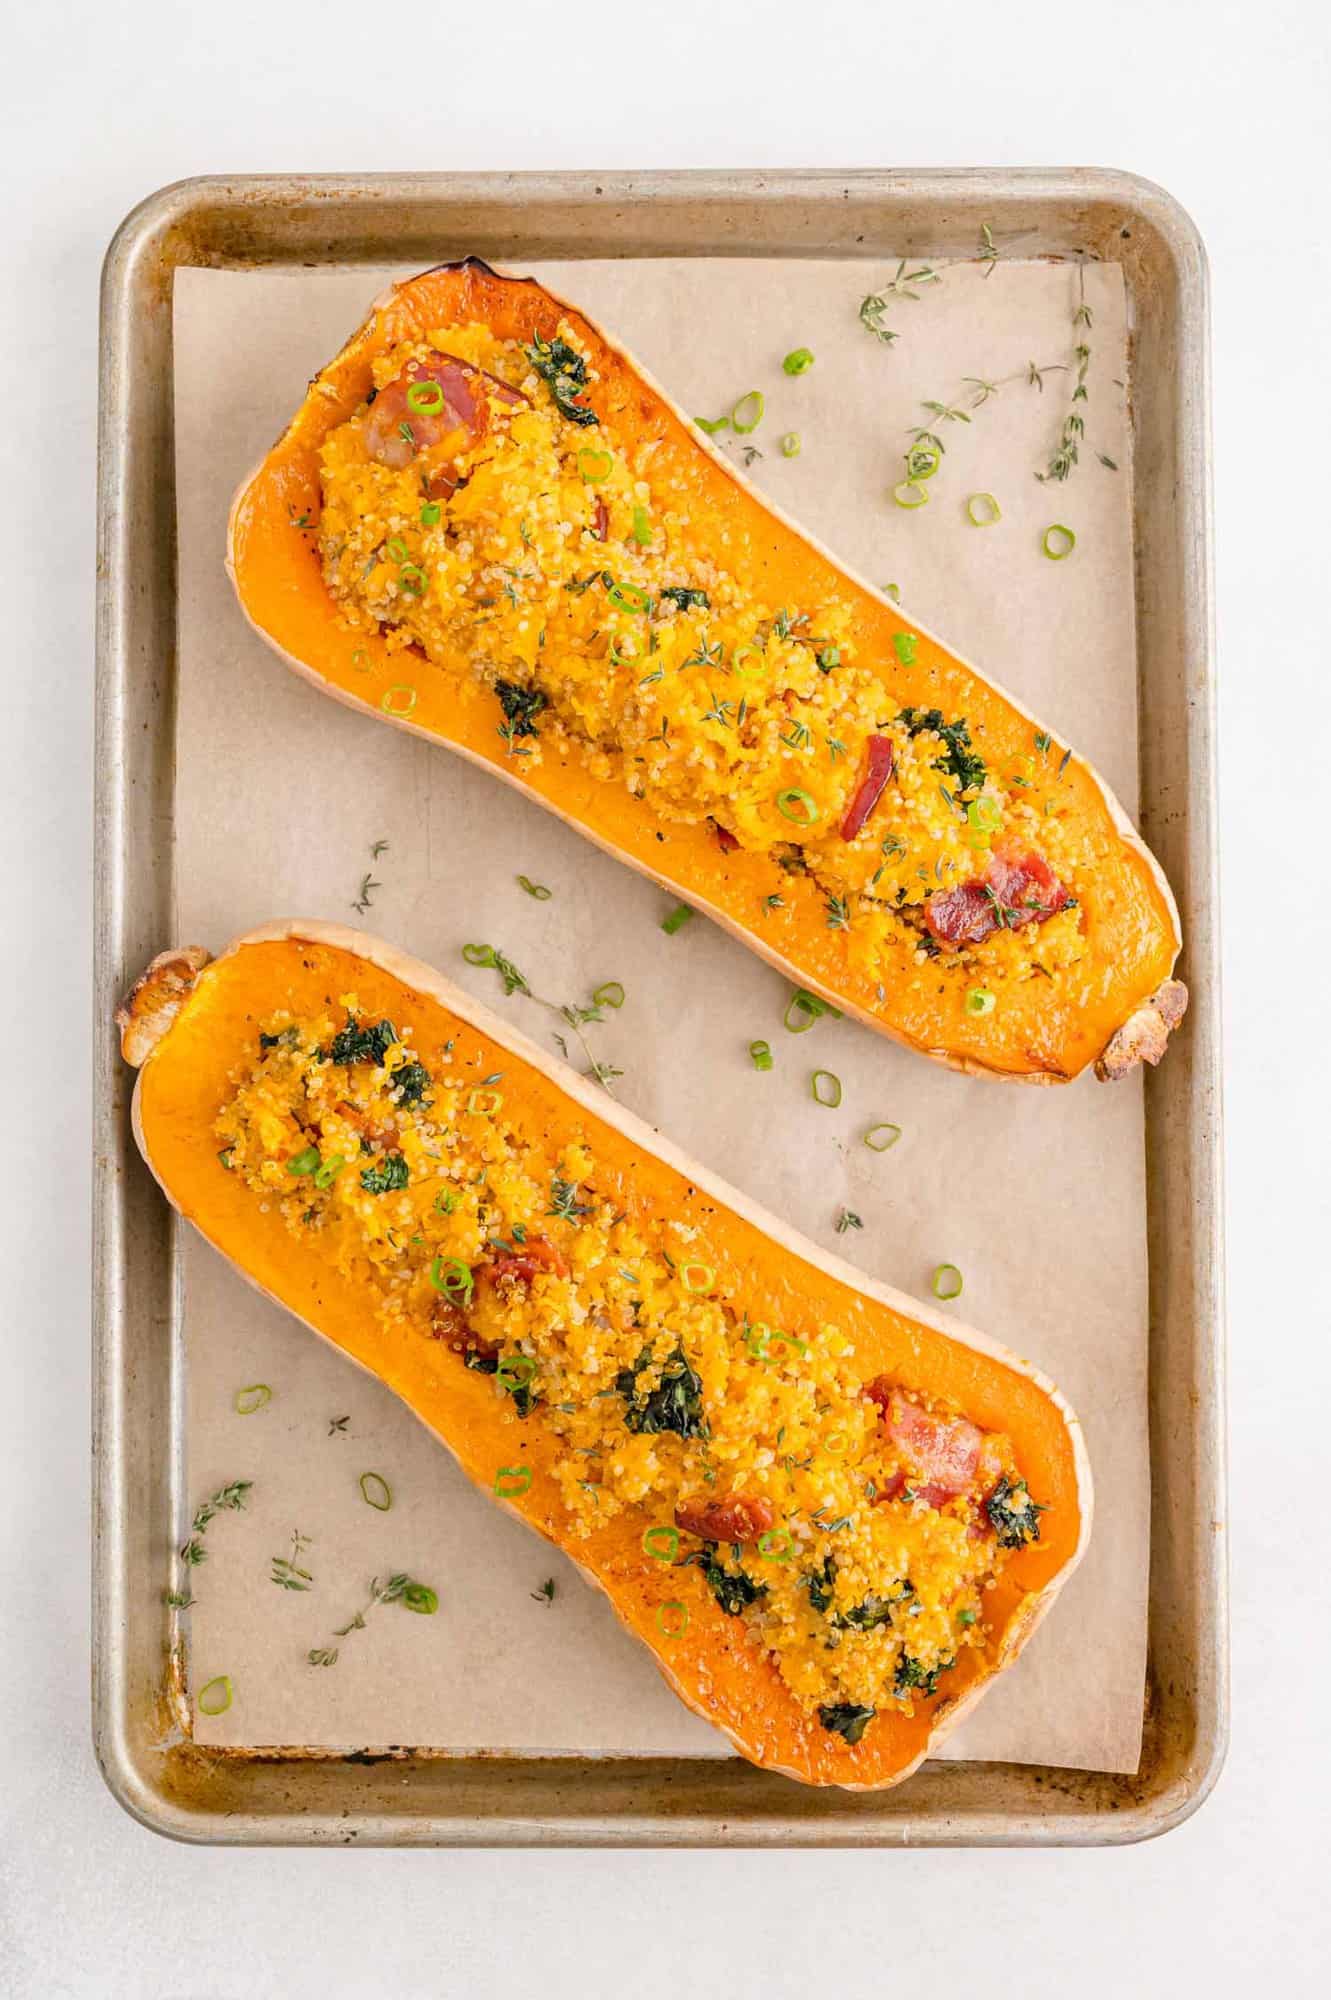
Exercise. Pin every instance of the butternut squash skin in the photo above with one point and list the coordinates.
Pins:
(190, 1021)
(1115, 1009)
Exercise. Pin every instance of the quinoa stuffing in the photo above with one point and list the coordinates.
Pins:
(851, 1525)
(482, 516)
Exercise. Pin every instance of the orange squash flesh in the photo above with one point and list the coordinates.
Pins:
(1114, 1008)
(190, 1023)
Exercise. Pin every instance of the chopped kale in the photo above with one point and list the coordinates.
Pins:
(819, 1585)
(410, 1083)
(686, 599)
(675, 1404)
(521, 706)
(386, 1176)
(483, 1363)
(911, 1675)
(564, 369)
(846, 1718)
(961, 760)
(875, 1610)
(286, 1038)
(733, 1589)
(1013, 1513)
(355, 1044)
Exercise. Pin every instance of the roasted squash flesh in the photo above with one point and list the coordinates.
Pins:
(486, 524)
(830, 1515)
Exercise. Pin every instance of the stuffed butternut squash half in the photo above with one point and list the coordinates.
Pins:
(832, 1515)
(487, 524)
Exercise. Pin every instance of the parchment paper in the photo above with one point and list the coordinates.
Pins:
(1036, 1194)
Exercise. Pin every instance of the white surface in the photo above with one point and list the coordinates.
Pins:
(1226, 105)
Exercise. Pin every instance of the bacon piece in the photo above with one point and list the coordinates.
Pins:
(465, 410)
(1015, 889)
(879, 757)
(944, 1450)
(528, 1261)
(600, 521)
(733, 1517)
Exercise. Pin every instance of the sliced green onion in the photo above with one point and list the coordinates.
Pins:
(677, 919)
(629, 598)
(984, 815)
(412, 577)
(877, 1145)
(904, 645)
(797, 805)
(980, 1000)
(672, 1619)
(536, 889)
(451, 1276)
(761, 1053)
(989, 510)
(966, 1617)
(426, 397)
(327, 1173)
(304, 1162)
(484, 1103)
(922, 462)
(742, 654)
(777, 1545)
(225, 1156)
(391, 706)
(642, 527)
(946, 1282)
(430, 513)
(515, 1371)
(375, 1492)
(609, 995)
(696, 1277)
(214, 1697)
(910, 493)
(511, 1480)
(420, 1597)
(811, 1007)
(790, 445)
(252, 1399)
(825, 1088)
(594, 466)
(661, 1544)
(1063, 546)
(712, 424)
(397, 549)
(760, 1336)
(755, 399)
(799, 361)
(479, 954)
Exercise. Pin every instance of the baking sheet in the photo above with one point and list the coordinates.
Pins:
(1037, 1195)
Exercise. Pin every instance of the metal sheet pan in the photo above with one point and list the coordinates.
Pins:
(193, 1794)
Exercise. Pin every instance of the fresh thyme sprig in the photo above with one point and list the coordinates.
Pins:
(286, 1571)
(368, 885)
(902, 286)
(848, 1220)
(926, 448)
(397, 1589)
(546, 1593)
(989, 252)
(1073, 433)
(575, 1017)
(227, 1500)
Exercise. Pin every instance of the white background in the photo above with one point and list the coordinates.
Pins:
(1224, 103)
